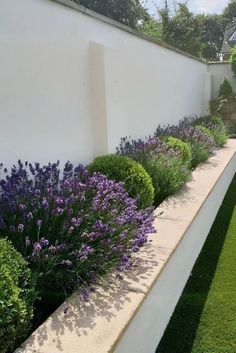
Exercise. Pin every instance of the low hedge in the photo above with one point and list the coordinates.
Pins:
(17, 295)
(123, 169)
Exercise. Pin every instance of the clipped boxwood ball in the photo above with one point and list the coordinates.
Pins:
(205, 130)
(123, 169)
(17, 296)
(184, 148)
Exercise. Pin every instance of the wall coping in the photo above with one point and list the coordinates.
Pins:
(98, 326)
(218, 62)
(99, 17)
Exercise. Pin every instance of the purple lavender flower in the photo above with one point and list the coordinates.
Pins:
(58, 211)
(87, 206)
(66, 310)
(22, 207)
(71, 230)
(45, 203)
(21, 228)
(85, 251)
(67, 263)
(44, 242)
(30, 215)
(73, 220)
(39, 223)
(85, 295)
(37, 248)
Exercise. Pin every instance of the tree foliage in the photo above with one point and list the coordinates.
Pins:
(226, 89)
(128, 12)
(229, 13)
(212, 35)
(182, 29)
(233, 60)
(198, 34)
(152, 29)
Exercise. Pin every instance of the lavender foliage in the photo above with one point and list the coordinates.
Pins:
(72, 227)
(141, 150)
(162, 163)
(202, 144)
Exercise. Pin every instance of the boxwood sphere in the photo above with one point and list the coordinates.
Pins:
(17, 296)
(123, 169)
(184, 148)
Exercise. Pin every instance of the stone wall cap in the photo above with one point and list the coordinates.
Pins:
(97, 16)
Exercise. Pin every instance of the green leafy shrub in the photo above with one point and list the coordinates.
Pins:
(232, 60)
(201, 143)
(168, 175)
(226, 89)
(120, 168)
(17, 296)
(216, 120)
(183, 147)
(214, 126)
(152, 29)
(219, 131)
(204, 129)
(200, 153)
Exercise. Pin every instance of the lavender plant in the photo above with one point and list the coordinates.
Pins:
(72, 227)
(163, 164)
(202, 145)
(217, 128)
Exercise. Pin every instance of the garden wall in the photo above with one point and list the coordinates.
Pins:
(219, 71)
(73, 82)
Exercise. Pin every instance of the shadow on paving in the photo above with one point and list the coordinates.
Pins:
(181, 330)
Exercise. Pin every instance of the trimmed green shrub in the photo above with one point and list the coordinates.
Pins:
(226, 89)
(202, 145)
(183, 147)
(123, 169)
(232, 60)
(17, 296)
(204, 129)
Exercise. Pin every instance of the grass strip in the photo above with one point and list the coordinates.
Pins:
(204, 320)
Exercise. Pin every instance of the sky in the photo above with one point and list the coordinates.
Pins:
(197, 6)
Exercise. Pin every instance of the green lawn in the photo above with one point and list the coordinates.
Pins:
(204, 320)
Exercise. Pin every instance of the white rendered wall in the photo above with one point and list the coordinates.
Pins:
(220, 71)
(71, 84)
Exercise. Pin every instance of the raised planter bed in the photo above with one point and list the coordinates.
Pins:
(130, 315)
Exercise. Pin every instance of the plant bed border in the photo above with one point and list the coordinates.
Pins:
(131, 314)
